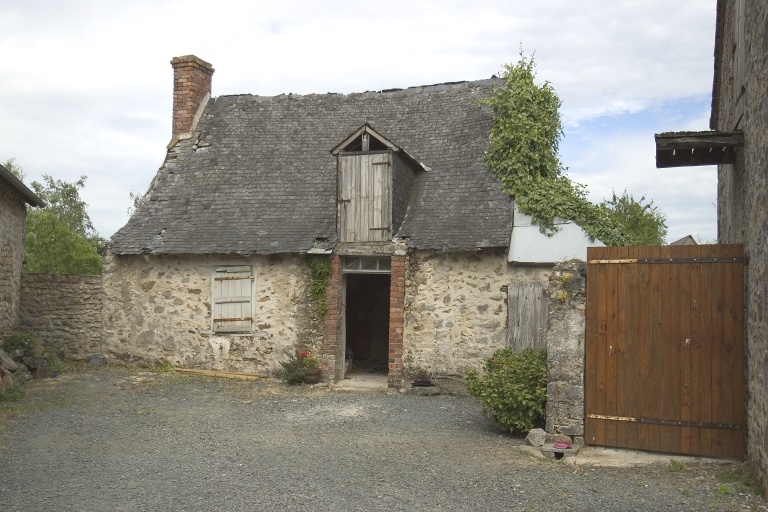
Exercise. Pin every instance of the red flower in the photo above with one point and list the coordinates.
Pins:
(305, 354)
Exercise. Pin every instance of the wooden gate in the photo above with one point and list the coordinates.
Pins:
(664, 367)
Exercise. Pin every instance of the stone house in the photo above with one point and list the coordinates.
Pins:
(389, 188)
(738, 145)
(14, 198)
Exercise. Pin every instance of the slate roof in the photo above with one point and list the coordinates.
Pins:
(257, 176)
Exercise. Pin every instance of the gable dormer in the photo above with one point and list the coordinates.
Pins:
(374, 180)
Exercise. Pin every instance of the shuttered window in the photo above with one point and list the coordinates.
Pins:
(527, 316)
(233, 299)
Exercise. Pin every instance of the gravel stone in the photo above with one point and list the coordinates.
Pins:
(121, 440)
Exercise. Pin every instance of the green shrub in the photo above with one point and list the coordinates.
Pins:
(53, 363)
(11, 392)
(512, 388)
(26, 341)
(297, 367)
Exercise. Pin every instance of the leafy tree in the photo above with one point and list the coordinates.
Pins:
(60, 239)
(53, 247)
(642, 223)
(63, 199)
(14, 168)
(135, 202)
(523, 155)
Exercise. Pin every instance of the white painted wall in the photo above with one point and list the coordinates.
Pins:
(529, 245)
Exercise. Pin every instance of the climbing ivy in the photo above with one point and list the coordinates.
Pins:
(320, 269)
(523, 155)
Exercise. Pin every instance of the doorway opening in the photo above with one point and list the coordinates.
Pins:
(367, 323)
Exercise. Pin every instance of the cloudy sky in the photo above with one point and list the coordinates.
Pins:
(85, 86)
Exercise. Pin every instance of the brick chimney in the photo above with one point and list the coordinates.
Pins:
(191, 90)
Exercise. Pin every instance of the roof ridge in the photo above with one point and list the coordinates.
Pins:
(415, 89)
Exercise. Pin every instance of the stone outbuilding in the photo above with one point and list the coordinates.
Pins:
(14, 198)
(386, 193)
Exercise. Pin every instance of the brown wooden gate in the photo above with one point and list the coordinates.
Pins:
(664, 367)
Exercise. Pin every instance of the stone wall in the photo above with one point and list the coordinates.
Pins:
(12, 218)
(566, 295)
(65, 310)
(456, 309)
(158, 308)
(743, 195)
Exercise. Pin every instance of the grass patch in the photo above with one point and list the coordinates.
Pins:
(160, 367)
(675, 466)
(741, 478)
(724, 489)
(11, 393)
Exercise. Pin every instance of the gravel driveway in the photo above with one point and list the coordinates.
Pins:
(115, 439)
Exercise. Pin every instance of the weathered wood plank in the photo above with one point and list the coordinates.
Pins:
(590, 345)
(698, 140)
(609, 380)
(527, 309)
(683, 282)
(666, 159)
(696, 148)
(232, 299)
(601, 348)
(365, 197)
(226, 375)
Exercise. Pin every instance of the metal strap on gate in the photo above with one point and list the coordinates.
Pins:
(672, 423)
(730, 259)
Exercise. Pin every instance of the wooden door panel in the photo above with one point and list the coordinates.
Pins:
(664, 366)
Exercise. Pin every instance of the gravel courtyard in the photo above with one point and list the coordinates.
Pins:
(117, 439)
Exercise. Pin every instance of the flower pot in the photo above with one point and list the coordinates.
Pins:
(313, 376)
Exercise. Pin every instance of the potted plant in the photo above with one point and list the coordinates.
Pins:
(302, 368)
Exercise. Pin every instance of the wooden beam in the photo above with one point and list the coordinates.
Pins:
(684, 149)
(226, 375)
(691, 158)
(698, 140)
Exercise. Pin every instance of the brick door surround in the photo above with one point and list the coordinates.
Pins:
(333, 324)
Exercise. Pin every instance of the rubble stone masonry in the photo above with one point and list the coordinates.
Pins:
(743, 194)
(65, 311)
(12, 218)
(159, 308)
(456, 309)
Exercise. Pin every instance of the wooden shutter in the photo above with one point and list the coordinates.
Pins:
(527, 304)
(232, 299)
(365, 198)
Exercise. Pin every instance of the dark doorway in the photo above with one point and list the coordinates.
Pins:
(367, 322)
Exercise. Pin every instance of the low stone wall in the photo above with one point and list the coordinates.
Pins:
(65, 311)
(566, 294)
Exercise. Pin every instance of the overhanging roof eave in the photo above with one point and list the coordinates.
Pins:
(686, 149)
